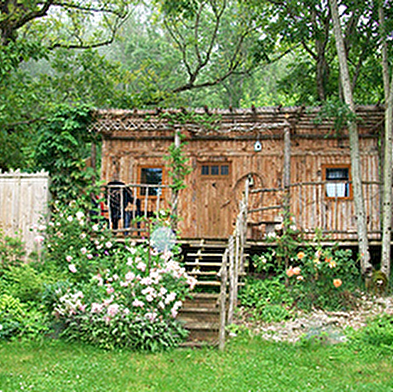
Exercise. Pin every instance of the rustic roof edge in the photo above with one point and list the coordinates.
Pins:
(232, 111)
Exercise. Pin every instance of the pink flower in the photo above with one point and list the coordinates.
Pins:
(113, 310)
(96, 308)
(72, 268)
(83, 250)
(82, 308)
(39, 239)
(137, 303)
(151, 316)
(146, 281)
(69, 258)
(170, 297)
(141, 266)
(108, 301)
(191, 281)
(89, 256)
(110, 290)
(130, 276)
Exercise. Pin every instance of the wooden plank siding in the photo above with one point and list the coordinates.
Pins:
(209, 205)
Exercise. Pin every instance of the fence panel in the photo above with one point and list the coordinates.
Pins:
(24, 201)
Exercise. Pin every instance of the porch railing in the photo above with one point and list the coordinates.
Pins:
(128, 208)
(231, 268)
(311, 209)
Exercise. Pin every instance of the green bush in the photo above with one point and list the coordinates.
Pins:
(18, 320)
(23, 282)
(378, 332)
(11, 251)
(125, 331)
(267, 299)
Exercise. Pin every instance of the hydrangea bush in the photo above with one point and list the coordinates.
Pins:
(114, 294)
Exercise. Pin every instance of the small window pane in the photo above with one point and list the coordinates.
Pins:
(337, 189)
(205, 170)
(151, 176)
(224, 170)
(337, 174)
(214, 170)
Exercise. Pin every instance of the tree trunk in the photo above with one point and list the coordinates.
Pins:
(387, 164)
(365, 264)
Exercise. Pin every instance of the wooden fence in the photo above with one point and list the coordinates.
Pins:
(24, 201)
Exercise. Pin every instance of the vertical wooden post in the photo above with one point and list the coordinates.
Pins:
(287, 182)
(231, 304)
(175, 192)
(223, 294)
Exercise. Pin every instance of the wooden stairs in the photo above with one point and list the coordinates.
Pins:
(201, 313)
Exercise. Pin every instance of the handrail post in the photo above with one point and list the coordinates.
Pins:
(223, 274)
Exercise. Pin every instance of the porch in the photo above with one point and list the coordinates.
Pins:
(129, 209)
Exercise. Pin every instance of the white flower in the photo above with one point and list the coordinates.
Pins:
(69, 258)
(72, 268)
(39, 239)
(95, 227)
(70, 218)
(141, 266)
(79, 215)
(82, 236)
(108, 244)
(83, 250)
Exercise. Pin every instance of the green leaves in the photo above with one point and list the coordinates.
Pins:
(62, 148)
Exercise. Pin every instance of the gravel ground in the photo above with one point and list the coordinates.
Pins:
(331, 324)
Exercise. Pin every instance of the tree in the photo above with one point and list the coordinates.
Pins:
(388, 143)
(305, 27)
(346, 85)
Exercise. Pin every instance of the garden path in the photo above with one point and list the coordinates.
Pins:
(329, 325)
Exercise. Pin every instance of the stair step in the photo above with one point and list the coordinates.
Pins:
(196, 309)
(197, 344)
(205, 255)
(202, 264)
(202, 326)
(207, 273)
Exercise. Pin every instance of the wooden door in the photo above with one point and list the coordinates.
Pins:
(214, 212)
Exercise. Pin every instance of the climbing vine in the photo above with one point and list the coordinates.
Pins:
(63, 148)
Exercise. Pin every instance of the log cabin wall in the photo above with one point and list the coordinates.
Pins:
(224, 154)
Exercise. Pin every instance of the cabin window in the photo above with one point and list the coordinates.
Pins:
(215, 169)
(151, 176)
(338, 182)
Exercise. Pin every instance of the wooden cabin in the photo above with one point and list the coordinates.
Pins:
(272, 147)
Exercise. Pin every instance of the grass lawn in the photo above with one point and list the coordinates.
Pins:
(247, 364)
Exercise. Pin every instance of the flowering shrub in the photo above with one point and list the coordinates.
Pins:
(315, 276)
(325, 278)
(117, 292)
